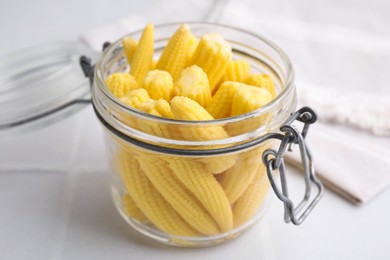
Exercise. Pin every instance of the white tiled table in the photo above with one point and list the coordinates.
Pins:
(54, 192)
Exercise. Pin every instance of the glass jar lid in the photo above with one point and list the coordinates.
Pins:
(41, 85)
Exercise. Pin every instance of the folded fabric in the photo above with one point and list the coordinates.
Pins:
(362, 109)
(349, 162)
(351, 167)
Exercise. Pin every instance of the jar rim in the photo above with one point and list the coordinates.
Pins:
(287, 86)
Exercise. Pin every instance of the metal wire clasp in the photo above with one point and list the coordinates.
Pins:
(274, 162)
(87, 66)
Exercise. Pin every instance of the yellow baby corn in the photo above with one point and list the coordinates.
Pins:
(159, 84)
(121, 83)
(261, 80)
(131, 209)
(248, 204)
(125, 164)
(129, 47)
(237, 70)
(135, 97)
(149, 200)
(184, 108)
(141, 62)
(206, 188)
(220, 105)
(193, 83)
(178, 196)
(161, 108)
(212, 54)
(249, 98)
(174, 58)
(157, 108)
(192, 47)
(237, 179)
(218, 164)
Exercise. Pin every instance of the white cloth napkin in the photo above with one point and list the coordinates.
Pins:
(354, 164)
(368, 111)
(349, 165)
(348, 161)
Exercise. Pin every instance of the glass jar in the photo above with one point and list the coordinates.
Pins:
(193, 183)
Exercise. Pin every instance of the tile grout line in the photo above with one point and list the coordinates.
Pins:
(68, 197)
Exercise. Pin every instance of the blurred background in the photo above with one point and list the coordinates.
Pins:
(53, 184)
(330, 42)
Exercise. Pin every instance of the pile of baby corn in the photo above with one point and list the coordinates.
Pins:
(193, 79)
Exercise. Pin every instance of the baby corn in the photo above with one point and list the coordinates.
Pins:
(193, 83)
(157, 108)
(248, 204)
(237, 70)
(178, 196)
(149, 200)
(174, 58)
(159, 85)
(212, 54)
(249, 98)
(206, 188)
(192, 47)
(218, 164)
(129, 47)
(141, 61)
(135, 97)
(220, 105)
(237, 179)
(184, 108)
(261, 80)
(131, 209)
(121, 83)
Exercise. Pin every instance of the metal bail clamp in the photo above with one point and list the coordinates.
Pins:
(87, 66)
(274, 162)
